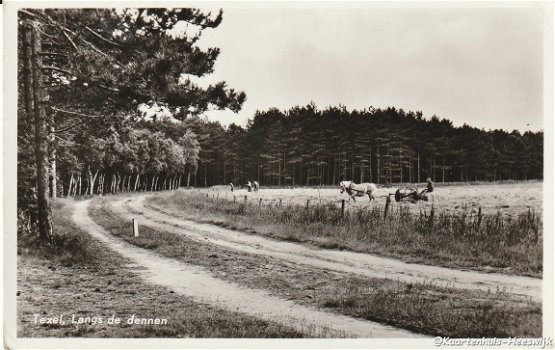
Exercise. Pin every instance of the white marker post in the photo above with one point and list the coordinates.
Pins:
(135, 228)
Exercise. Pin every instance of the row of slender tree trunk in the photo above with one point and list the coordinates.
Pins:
(330, 170)
(91, 183)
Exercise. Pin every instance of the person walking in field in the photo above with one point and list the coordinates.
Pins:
(249, 186)
(256, 186)
(231, 186)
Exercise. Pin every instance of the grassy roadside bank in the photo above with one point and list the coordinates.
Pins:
(493, 243)
(422, 308)
(78, 276)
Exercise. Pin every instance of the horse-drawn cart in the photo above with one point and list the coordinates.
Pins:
(411, 194)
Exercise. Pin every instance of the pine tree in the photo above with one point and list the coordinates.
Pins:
(100, 63)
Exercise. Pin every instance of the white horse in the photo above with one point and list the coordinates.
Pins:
(356, 190)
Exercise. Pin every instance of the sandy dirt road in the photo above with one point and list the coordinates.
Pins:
(197, 283)
(340, 261)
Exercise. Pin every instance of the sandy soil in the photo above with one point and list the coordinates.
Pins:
(196, 282)
(508, 199)
(340, 261)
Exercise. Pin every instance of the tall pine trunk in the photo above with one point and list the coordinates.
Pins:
(92, 180)
(53, 170)
(334, 170)
(443, 170)
(40, 98)
(352, 167)
(102, 180)
(80, 181)
(418, 175)
(118, 182)
(28, 72)
(370, 164)
(69, 187)
(410, 168)
(136, 182)
(279, 172)
(378, 166)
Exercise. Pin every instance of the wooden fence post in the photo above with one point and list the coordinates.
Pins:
(260, 203)
(307, 203)
(342, 208)
(135, 227)
(280, 202)
(387, 202)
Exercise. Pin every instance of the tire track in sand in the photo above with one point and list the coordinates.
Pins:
(197, 283)
(341, 261)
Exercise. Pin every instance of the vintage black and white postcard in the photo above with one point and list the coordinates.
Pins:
(261, 174)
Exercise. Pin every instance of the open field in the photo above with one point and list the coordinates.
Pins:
(506, 198)
(499, 238)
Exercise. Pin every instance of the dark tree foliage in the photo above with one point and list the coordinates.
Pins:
(83, 75)
(307, 146)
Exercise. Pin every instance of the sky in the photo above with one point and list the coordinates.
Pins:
(479, 66)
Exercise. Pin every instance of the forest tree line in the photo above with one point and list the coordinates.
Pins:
(303, 146)
(311, 147)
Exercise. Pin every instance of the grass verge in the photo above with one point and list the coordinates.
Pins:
(78, 277)
(422, 308)
(495, 243)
